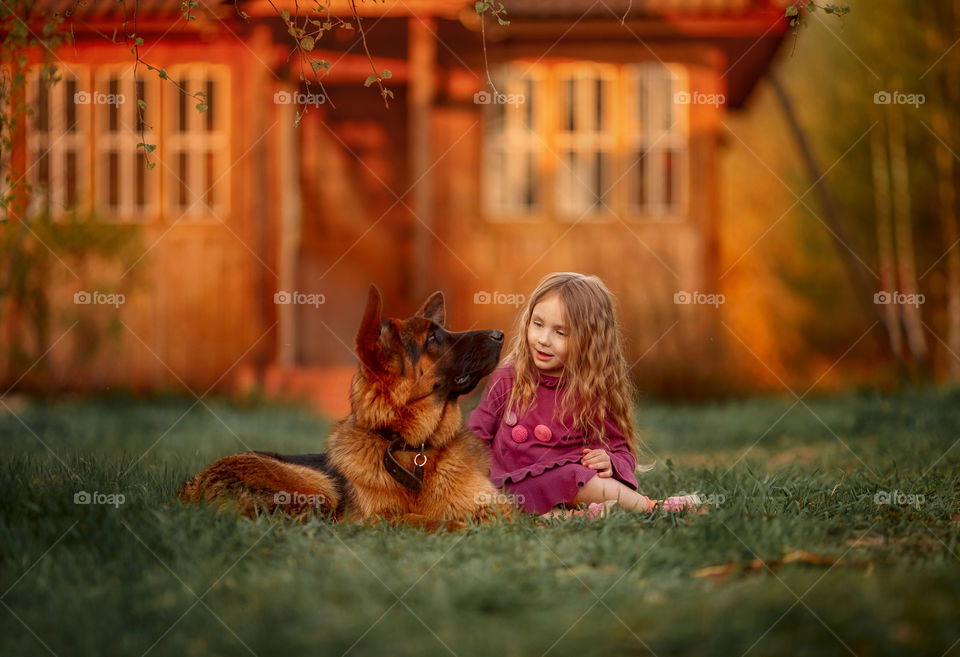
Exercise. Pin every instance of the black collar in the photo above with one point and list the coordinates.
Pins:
(410, 480)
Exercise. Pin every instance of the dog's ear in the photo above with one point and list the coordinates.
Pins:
(369, 344)
(434, 309)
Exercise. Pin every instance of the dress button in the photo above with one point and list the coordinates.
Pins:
(542, 432)
(511, 419)
(519, 433)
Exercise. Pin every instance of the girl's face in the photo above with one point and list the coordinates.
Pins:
(547, 335)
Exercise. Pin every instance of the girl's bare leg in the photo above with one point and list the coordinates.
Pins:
(611, 491)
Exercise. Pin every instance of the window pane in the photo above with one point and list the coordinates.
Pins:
(208, 181)
(669, 175)
(181, 183)
(71, 106)
(643, 112)
(141, 94)
(600, 103)
(528, 104)
(140, 166)
(43, 106)
(211, 100)
(181, 106)
(569, 104)
(113, 109)
(71, 166)
(640, 178)
(530, 191)
(113, 182)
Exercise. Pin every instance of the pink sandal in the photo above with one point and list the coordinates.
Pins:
(682, 503)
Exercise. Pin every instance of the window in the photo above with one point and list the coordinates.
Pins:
(125, 188)
(590, 141)
(656, 135)
(514, 149)
(196, 146)
(58, 141)
(585, 140)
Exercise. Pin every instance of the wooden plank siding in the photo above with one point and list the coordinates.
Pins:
(330, 206)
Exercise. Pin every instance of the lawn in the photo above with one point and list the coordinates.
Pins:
(833, 529)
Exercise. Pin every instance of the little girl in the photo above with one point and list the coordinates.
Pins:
(557, 411)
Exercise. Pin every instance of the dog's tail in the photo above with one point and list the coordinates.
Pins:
(257, 482)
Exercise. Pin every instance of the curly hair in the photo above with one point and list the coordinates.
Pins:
(595, 379)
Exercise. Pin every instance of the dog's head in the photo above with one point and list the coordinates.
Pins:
(412, 370)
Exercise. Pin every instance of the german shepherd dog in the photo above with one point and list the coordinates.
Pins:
(402, 453)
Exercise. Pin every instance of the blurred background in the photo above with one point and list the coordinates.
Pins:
(197, 200)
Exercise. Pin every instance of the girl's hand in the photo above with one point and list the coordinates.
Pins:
(597, 459)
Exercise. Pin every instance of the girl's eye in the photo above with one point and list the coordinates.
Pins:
(536, 323)
(560, 333)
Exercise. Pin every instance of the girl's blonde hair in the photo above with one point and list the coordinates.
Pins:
(595, 381)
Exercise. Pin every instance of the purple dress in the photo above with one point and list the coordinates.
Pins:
(535, 457)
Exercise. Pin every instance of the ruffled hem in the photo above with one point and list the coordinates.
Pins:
(532, 471)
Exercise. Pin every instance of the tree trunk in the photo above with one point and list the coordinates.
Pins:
(881, 195)
(947, 93)
(903, 230)
(862, 287)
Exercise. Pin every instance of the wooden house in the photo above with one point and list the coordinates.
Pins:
(584, 137)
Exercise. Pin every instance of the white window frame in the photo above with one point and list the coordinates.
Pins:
(665, 130)
(124, 142)
(593, 136)
(196, 142)
(56, 141)
(513, 147)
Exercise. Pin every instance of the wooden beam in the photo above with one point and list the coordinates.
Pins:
(421, 91)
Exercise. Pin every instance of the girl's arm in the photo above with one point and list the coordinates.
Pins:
(621, 460)
(487, 415)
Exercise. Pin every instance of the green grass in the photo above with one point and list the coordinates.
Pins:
(124, 580)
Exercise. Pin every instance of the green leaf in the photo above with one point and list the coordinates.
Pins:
(150, 165)
(139, 41)
(481, 7)
(142, 104)
(387, 93)
(328, 25)
(285, 14)
(307, 43)
(792, 11)
(811, 7)
(386, 74)
(148, 147)
(202, 107)
(317, 64)
(370, 80)
(162, 74)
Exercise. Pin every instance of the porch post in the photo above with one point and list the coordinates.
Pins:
(289, 244)
(421, 90)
